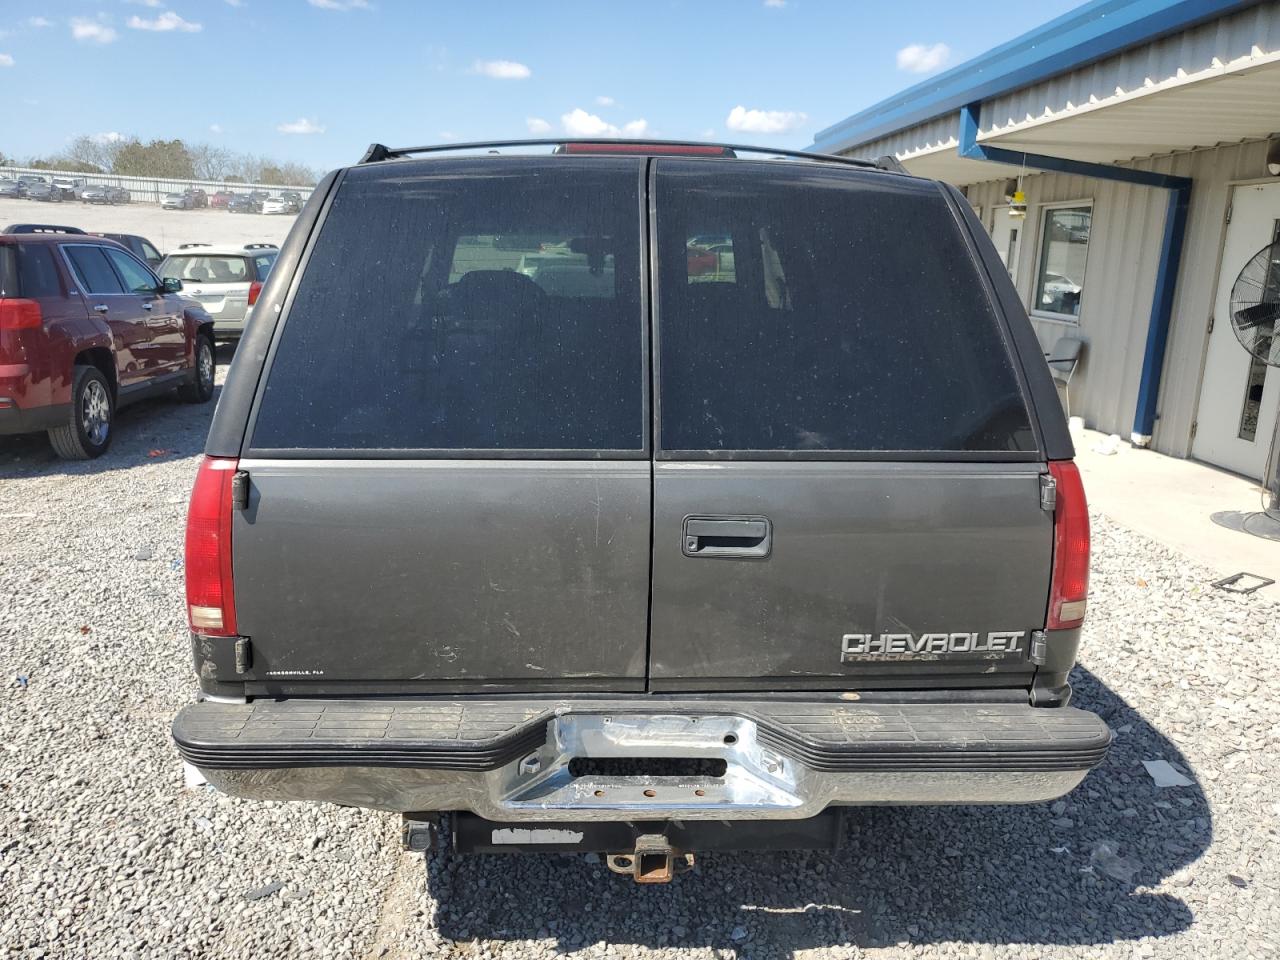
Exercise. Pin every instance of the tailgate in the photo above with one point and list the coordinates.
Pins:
(906, 575)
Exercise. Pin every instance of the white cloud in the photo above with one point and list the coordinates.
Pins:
(579, 123)
(764, 121)
(340, 4)
(775, 4)
(502, 69)
(92, 31)
(709, 133)
(448, 136)
(605, 101)
(301, 125)
(215, 128)
(917, 58)
(6, 60)
(109, 137)
(39, 22)
(537, 125)
(165, 23)
(146, 3)
(235, 3)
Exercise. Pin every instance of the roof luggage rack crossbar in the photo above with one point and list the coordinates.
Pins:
(377, 152)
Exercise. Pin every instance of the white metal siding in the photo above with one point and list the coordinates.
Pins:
(1124, 247)
(1208, 47)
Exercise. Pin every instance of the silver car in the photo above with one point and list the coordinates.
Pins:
(224, 278)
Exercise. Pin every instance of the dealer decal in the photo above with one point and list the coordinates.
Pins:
(862, 647)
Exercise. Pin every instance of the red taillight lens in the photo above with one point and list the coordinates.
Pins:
(1070, 588)
(255, 288)
(211, 605)
(18, 314)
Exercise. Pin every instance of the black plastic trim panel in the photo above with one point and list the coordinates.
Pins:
(485, 735)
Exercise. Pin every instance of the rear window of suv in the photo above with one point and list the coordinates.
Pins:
(207, 269)
(469, 304)
(819, 310)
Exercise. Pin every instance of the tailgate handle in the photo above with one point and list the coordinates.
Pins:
(727, 537)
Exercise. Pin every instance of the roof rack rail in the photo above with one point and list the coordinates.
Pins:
(40, 228)
(261, 246)
(891, 163)
(377, 152)
(188, 246)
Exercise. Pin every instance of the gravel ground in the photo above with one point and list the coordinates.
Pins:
(104, 852)
(165, 228)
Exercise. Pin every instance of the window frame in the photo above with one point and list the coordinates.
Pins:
(65, 250)
(1042, 216)
(643, 317)
(156, 287)
(1002, 321)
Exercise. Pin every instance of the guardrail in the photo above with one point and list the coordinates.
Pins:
(151, 189)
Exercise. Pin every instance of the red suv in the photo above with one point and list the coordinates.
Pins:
(86, 327)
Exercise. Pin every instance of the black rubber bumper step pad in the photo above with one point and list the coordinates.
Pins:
(485, 735)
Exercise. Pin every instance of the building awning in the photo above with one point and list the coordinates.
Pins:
(1224, 104)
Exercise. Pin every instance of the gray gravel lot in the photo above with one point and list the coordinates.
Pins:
(104, 852)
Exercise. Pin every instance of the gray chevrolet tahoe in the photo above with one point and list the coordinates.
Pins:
(530, 516)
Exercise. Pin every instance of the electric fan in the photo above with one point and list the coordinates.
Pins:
(1255, 310)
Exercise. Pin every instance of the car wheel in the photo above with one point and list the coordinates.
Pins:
(87, 432)
(200, 389)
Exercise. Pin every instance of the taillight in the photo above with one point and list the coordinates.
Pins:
(211, 605)
(255, 288)
(1070, 587)
(18, 314)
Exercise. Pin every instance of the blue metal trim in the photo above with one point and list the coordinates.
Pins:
(1175, 226)
(1095, 30)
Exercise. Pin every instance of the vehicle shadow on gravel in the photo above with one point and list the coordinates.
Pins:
(161, 426)
(1042, 874)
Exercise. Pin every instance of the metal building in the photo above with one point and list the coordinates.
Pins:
(1140, 134)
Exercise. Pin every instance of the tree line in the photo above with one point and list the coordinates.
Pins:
(171, 159)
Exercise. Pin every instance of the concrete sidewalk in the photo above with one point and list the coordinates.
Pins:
(1172, 501)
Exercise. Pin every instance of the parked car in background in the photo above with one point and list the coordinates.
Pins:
(105, 193)
(294, 197)
(176, 201)
(68, 187)
(30, 178)
(278, 205)
(140, 247)
(220, 199)
(243, 203)
(13, 189)
(592, 573)
(197, 196)
(225, 279)
(86, 327)
(43, 190)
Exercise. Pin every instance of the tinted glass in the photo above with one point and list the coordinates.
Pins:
(415, 326)
(150, 252)
(262, 263)
(37, 271)
(95, 273)
(137, 278)
(843, 312)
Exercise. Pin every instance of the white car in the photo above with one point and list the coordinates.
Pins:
(278, 205)
(224, 278)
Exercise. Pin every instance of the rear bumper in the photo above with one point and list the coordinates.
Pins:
(510, 760)
(15, 419)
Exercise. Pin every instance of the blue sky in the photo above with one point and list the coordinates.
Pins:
(314, 81)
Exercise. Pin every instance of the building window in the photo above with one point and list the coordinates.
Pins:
(1064, 249)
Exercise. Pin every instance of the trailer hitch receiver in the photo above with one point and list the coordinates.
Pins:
(652, 861)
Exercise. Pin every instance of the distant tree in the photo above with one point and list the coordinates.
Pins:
(92, 154)
(159, 158)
